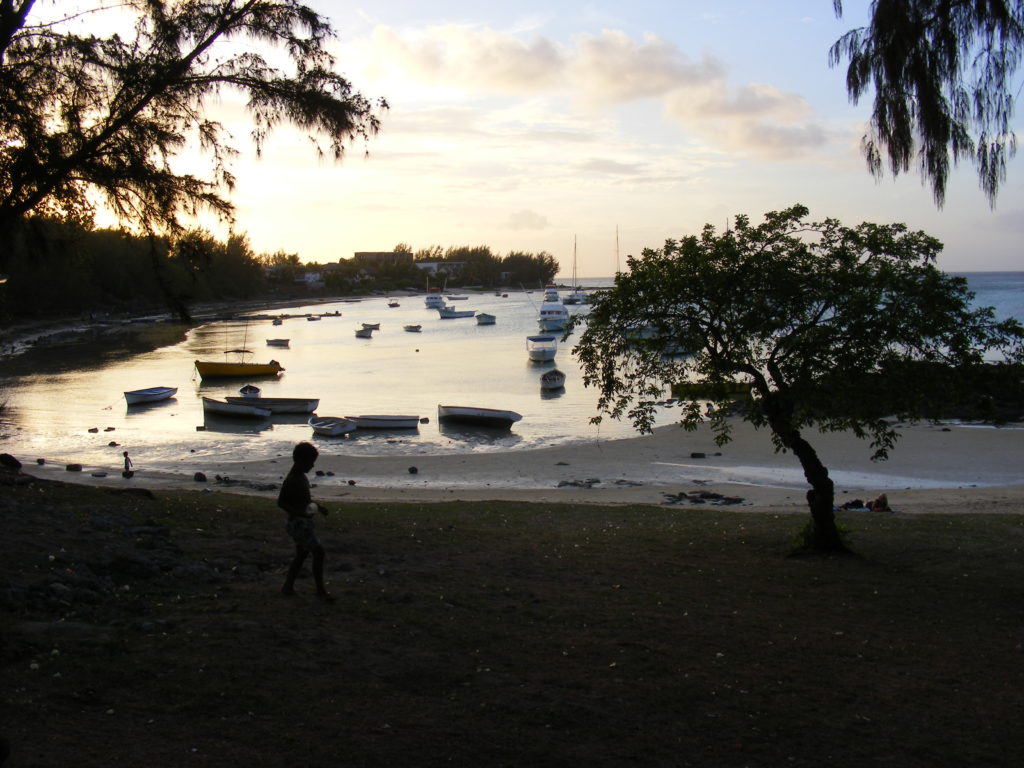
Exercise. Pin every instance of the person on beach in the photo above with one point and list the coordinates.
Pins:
(128, 471)
(295, 499)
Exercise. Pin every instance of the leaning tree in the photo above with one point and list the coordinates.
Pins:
(831, 327)
(90, 116)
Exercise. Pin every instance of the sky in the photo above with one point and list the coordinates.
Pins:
(593, 130)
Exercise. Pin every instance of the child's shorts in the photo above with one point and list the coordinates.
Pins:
(303, 532)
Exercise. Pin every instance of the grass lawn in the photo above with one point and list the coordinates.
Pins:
(150, 631)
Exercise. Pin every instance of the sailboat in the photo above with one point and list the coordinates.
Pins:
(577, 295)
(209, 369)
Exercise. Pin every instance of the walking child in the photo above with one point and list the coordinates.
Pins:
(295, 499)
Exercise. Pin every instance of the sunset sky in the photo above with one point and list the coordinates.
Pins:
(526, 125)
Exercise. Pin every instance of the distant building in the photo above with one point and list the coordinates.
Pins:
(382, 258)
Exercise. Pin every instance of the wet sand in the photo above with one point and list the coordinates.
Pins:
(933, 468)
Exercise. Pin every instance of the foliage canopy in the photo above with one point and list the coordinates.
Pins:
(942, 72)
(84, 117)
(832, 327)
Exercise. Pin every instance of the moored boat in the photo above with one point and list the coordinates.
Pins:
(372, 326)
(278, 342)
(553, 379)
(279, 404)
(364, 333)
(149, 395)
(377, 421)
(433, 300)
(210, 369)
(447, 313)
(483, 417)
(242, 409)
(553, 316)
(331, 426)
(541, 349)
(483, 318)
(412, 328)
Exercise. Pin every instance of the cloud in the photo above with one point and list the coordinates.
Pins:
(610, 167)
(526, 219)
(612, 67)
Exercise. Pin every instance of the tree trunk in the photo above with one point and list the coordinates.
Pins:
(821, 495)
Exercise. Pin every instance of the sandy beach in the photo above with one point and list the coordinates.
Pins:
(933, 468)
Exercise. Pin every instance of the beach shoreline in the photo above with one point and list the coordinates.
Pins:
(934, 467)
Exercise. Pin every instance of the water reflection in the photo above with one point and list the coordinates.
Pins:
(214, 423)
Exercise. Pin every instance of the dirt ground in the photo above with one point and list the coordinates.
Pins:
(143, 628)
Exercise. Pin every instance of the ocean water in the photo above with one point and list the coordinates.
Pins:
(451, 362)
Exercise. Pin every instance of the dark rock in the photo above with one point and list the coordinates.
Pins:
(199, 477)
(698, 455)
(413, 470)
(40, 462)
(73, 467)
(112, 444)
(351, 482)
(9, 461)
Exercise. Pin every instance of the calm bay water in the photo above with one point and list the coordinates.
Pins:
(452, 362)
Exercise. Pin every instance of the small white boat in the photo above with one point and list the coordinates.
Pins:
(553, 379)
(456, 298)
(483, 417)
(551, 293)
(278, 404)
(553, 316)
(375, 421)
(541, 349)
(150, 395)
(331, 426)
(485, 319)
(244, 410)
(412, 328)
(278, 342)
(372, 326)
(447, 313)
(250, 391)
(364, 333)
(434, 301)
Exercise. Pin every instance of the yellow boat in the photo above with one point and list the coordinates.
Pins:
(208, 369)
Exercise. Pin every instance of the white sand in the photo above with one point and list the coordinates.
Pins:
(956, 468)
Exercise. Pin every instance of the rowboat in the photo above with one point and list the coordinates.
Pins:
(484, 417)
(372, 326)
(412, 328)
(374, 421)
(331, 426)
(150, 395)
(364, 333)
(553, 379)
(278, 342)
(279, 404)
(244, 410)
(209, 369)
(393, 304)
(447, 313)
(485, 319)
(541, 348)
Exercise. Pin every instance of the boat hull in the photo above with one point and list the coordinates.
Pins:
(482, 417)
(150, 395)
(447, 313)
(237, 410)
(211, 370)
(279, 404)
(485, 319)
(375, 421)
(331, 426)
(541, 349)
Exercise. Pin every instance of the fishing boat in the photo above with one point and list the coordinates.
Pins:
(553, 316)
(209, 369)
(447, 313)
(242, 410)
(541, 349)
(278, 342)
(375, 421)
(412, 328)
(551, 293)
(434, 300)
(484, 318)
(277, 404)
(372, 326)
(364, 333)
(331, 426)
(483, 417)
(149, 395)
(553, 379)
